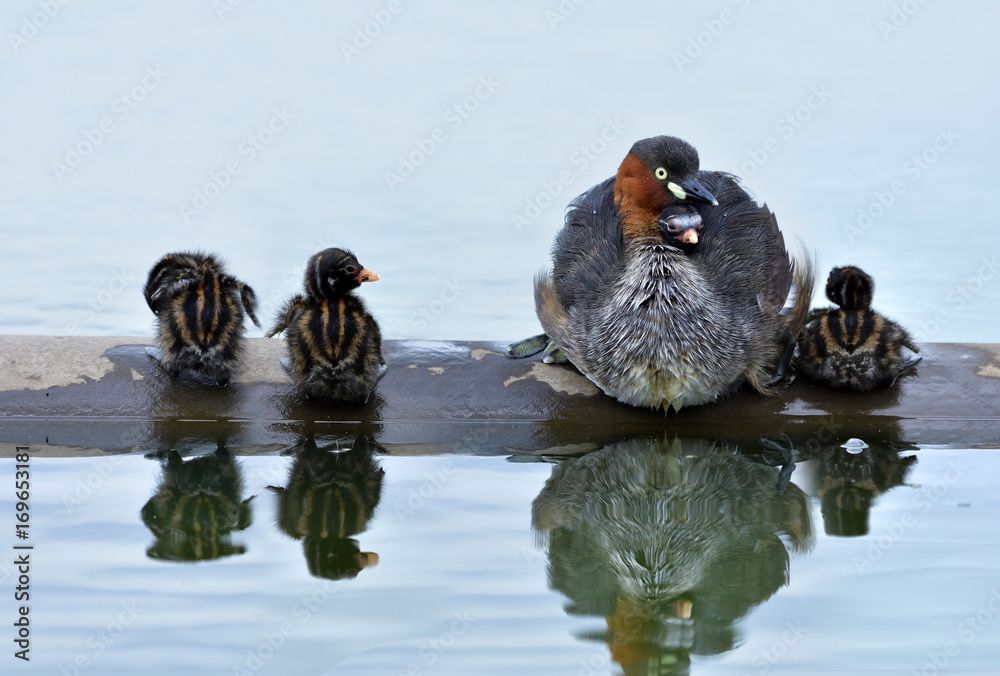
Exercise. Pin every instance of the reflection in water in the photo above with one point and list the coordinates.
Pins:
(671, 542)
(195, 508)
(330, 498)
(848, 483)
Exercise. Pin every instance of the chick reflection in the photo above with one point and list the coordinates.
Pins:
(671, 542)
(848, 483)
(196, 507)
(331, 497)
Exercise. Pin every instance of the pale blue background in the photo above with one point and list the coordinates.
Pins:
(74, 254)
(453, 264)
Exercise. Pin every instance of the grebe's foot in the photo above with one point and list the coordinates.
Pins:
(527, 347)
(786, 357)
(786, 459)
(554, 355)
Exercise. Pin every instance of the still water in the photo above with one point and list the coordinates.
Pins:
(442, 142)
(642, 557)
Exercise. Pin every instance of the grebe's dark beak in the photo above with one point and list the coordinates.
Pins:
(692, 190)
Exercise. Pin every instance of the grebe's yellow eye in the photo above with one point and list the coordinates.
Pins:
(660, 173)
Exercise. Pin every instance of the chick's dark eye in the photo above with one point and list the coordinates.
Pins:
(350, 269)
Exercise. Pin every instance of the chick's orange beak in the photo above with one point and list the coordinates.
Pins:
(689, 236)
(366, 275)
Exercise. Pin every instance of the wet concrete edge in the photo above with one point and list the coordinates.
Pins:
(78, 393)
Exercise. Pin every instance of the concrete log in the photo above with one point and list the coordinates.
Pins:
(75, 393)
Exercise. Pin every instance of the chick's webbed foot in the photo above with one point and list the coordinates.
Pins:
(156, 354)
(906, 366)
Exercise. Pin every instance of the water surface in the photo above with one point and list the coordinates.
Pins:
(644, 551)
(821, 112)
(255, 133)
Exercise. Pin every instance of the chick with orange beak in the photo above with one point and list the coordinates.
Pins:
(334, 344)
(681, 224)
